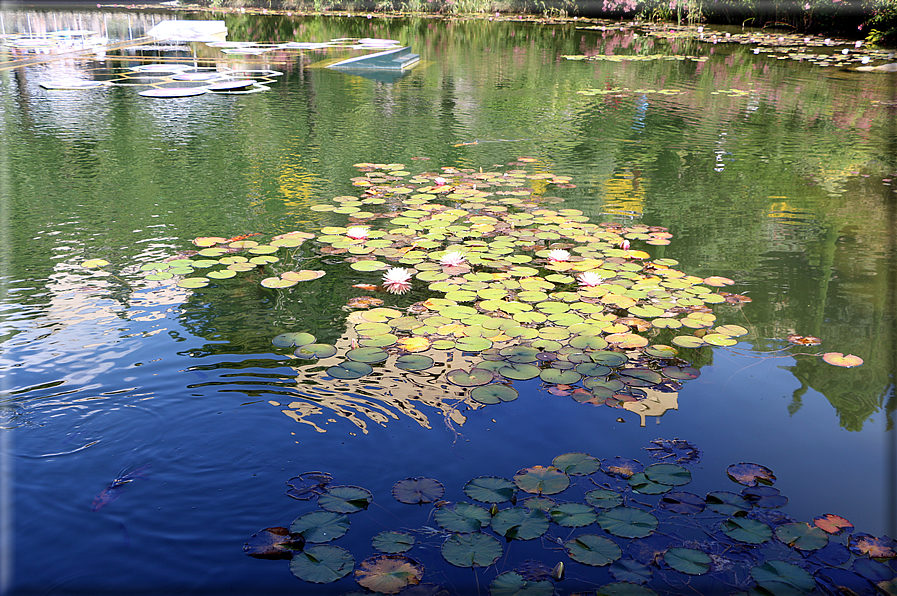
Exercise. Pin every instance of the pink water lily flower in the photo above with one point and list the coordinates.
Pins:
(397, 280)
(357, 233)
(558, 254)
(453, 259)
(589, 279)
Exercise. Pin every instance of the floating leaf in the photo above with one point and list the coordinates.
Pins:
(94, 263)
(833, 524)
(388, 574)
(476, 376)
(682, 502)
(274, 543)
(839, 359)
(471, 550)
(512, 583)
(193, 282)
(640, 483)
(779, 577)
(764, 496)
(416, 491)
(490, 489)
(572, 515)
(304, 275)
(493, 394)
(320, 526)
(393, 542)
(519, 523)
(315, 351)
(367, 355)
(462, 517)
(590, 549)
(627, 522)
(746, 530)
(731, 330)
(624, 589)
(276, 282)
(688, 560)
(750, 474)
(688, 341)
(630, 570)
(350, 370)
(603, 498)
(322, 564)
(414, 362)
(872, 546)
(345, 499)
(802, 536)
(670, 474)
(541, 480)
(554, 375)
(577, 464)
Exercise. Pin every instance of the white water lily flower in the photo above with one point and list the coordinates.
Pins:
(590, 279)
(453, 259)
(397, 280)
(558, 254)
(357, 233)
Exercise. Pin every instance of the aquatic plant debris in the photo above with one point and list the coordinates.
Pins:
(615, 538)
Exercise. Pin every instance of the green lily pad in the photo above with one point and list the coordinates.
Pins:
(94, 263)
(416, 491)
(367, 355)
(780, 578)
(669, 474)
(473, 344)
(315, 351)
(688, 341)
(594, 550)
(688, 560)
(661, 351)
(493, 394)
(511, 583)
(345, 499)
(414, 362)
(718, 339)
(322, 564)
(727, 503)
(802, 536)
(462, 517)
(603, 498)
(369, 266)
(519, 523)
(393, 542)
(193, 282)
(471, 550)
(554, 375)
(572, 515)
(463, 378)
(541, 480)
(577, 464)
(611, 359)
(320, 526)
(643, 485)
(627, 522)
(680, 373)
(519, 371)
(592, 369)
(490, 489)
(350, 370)
(277, 282)
(389, 573)
(746, 530)
(293, 340)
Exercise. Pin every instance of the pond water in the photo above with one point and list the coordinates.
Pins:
(775, 173)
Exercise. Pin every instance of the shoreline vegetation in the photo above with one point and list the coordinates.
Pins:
(874, 21)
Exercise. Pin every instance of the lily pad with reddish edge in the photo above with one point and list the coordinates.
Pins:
(833, 524)
(839, 359)
(416, 491)
(274, 543)
(389, 573)
(751, 474)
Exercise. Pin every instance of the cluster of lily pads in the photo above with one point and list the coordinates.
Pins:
(635, 522)
(480, 263)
